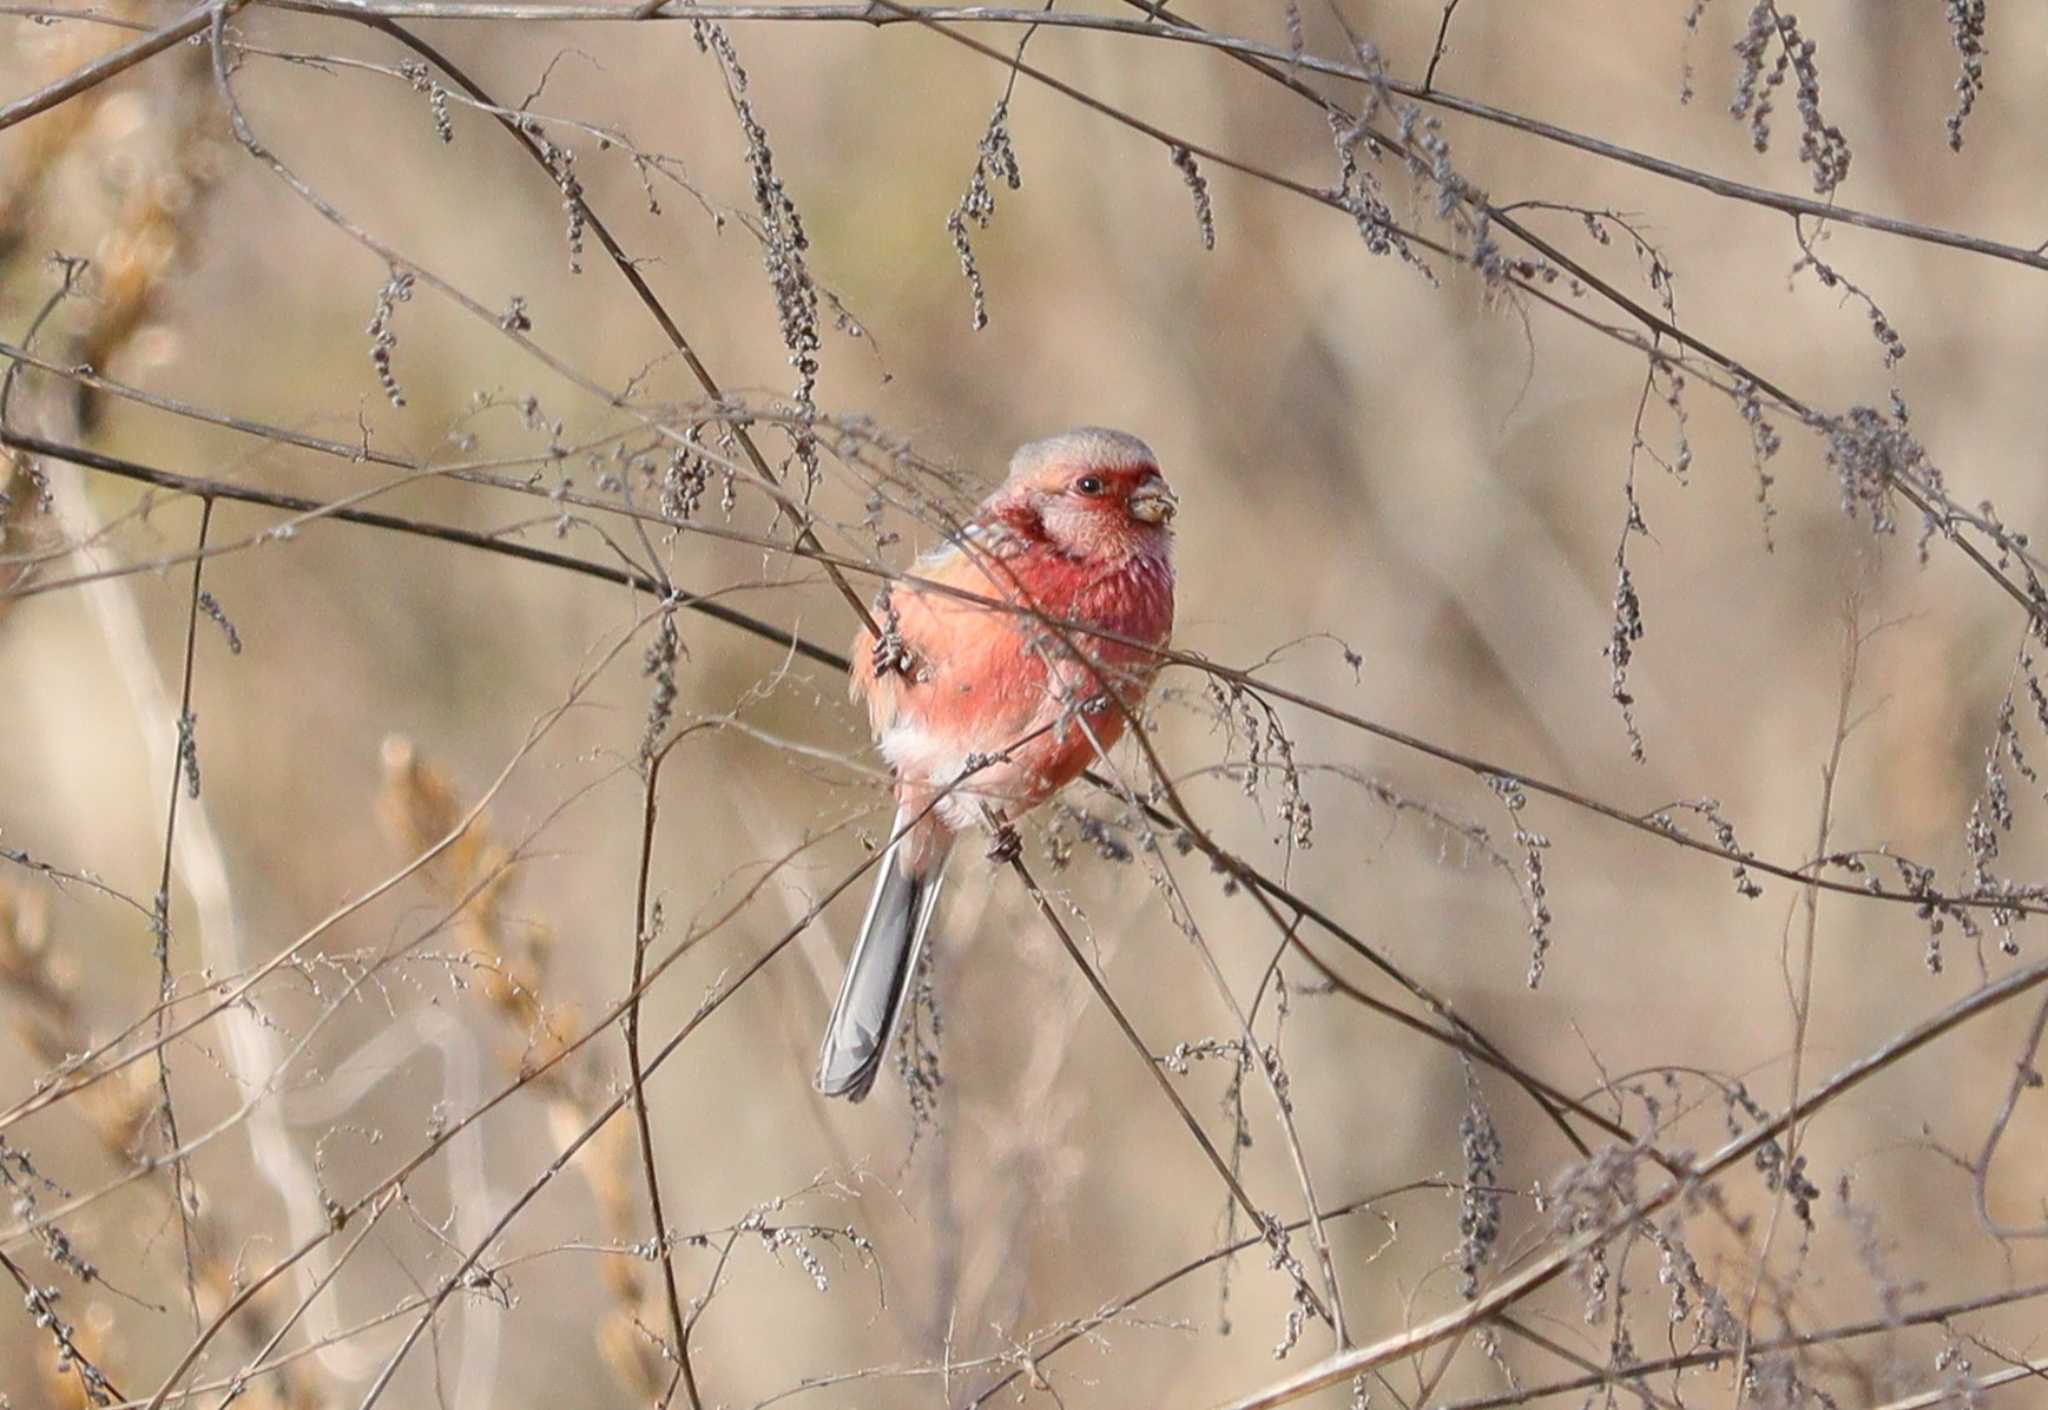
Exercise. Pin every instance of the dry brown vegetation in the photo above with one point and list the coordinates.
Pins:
(1565, 932)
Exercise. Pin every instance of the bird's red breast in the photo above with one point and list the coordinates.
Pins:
(1074, 544)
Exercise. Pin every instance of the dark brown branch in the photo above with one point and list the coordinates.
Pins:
(445, 533)
(1441, 47)
(643, 936)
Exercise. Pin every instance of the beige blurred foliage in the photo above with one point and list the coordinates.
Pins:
(1418, 474)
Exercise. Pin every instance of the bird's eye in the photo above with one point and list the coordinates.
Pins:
(1088, 484)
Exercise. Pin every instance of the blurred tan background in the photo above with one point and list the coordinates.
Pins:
(1431, 475)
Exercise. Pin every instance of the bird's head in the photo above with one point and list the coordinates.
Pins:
(1094, 493)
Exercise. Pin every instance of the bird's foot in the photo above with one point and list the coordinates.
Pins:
(1006, 845)
(892, 654)
(892, 657)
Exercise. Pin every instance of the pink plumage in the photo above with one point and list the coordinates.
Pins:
(1074, 543)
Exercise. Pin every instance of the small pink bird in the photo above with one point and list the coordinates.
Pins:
(1077, 534)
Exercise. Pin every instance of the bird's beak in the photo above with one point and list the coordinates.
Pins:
(1153, 503)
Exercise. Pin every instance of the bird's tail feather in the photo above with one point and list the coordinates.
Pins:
(880, 971)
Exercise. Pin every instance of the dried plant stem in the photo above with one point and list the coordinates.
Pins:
(1641, 1370)
(1634, 1384)
(90, 1375)
(94, 1067)
(183, 759)
(1473, 1043)
(1260, 1219)
(1083, 1327)
(1107, 691)
(1161, 24)
(2026, 1077)
(196, 855)
(1967, 1393)
(392, 1184)
(245, 133)
(113, 64)
(336, 1216)
(1548, 1266)
(806, 538)
(455, 1280)
(1804, 874)
(313, 509)
(1268, 1069)
(1931, 504)
(1549, 1096)
(1801, 986)
(1439, 49)
(1619, 1216)
(643, 936)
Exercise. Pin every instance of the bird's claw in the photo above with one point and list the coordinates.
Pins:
(892, 657)
(892, 654)
(1005, 846)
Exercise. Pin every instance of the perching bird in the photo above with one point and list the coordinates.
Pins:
(986, 711)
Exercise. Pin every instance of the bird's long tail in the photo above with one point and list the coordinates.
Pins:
(883, 965)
